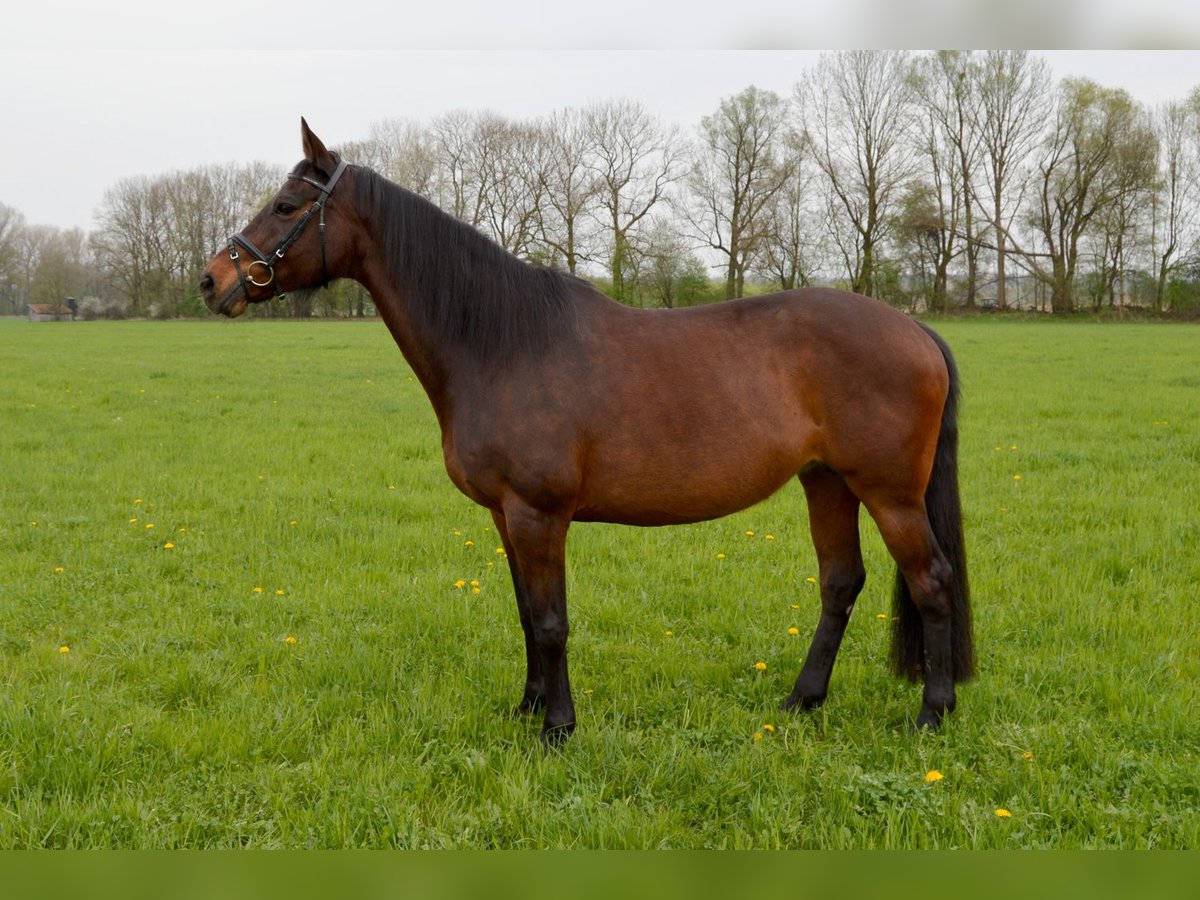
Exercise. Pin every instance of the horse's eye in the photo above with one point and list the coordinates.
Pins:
(284, 209)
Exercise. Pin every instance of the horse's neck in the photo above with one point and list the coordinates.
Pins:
(429, 360)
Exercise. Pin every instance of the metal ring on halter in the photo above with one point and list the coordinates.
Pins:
(254, 281)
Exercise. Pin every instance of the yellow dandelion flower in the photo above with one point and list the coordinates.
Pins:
(1028, 754)
(293, 522)
(881, 615)
(183, 531)
(391, 487)
(64, 649)
(474, 583)
(456, 533)
(289, 640)
(795, 606)
(793, 630)
(749, 534)
(668, 633)
(460, 583)
(933, 775)
(149, 525)
(501, 551)
(137, 501)
(279, 592)
(257, 590)
(59, 569)
(168, 546)
(767, 726)
(468, 543)
(1013, 447)
(758, 735)
(1016, 478)
(133, 520)
(587, 692)
(33, 524)
(769, 537)
(1003, 813)
(720, 556)
(811, 580)
(761, 666)
(476, 591)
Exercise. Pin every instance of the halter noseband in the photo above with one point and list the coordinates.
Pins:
(267, 262)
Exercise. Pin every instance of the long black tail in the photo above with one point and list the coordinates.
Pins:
(945, 518)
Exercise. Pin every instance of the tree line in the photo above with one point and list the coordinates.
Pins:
(932, 181)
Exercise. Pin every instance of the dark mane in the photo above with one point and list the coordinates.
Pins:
(471, 291)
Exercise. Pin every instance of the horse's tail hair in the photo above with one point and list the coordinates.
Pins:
(944, 509)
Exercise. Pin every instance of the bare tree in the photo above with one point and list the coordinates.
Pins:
(855, 106)
(157, 233)
(491, 167)
(1174, 212)
(673, 274)
(1080, 175)
(1013, 99)
(738, 169)
(33, 244)
(1121, 223)
(925, 230)
(945, 87)
(459, 176)
(510, 170)
(570, 188)
(401, 150)
(62, 270)
(636, 159)
(792, 245)
(12, 223)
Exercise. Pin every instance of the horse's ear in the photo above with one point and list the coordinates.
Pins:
(314, 150)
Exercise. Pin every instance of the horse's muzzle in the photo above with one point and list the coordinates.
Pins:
(233, 304)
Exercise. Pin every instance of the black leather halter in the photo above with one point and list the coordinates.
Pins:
(267, 262)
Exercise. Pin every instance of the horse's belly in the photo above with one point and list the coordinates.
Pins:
(648, 491)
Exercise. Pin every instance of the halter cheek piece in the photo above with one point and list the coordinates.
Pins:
(261, 270)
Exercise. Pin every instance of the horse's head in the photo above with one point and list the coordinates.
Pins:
(294, 242)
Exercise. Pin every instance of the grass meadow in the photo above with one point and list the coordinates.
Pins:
(230, 616)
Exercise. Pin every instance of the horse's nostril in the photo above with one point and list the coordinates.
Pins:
(207, 285)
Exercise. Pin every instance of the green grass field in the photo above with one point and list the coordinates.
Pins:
(229, 617)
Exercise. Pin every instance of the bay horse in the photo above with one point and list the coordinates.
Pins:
(557, 404)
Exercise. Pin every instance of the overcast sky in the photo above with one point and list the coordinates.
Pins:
(134, 87)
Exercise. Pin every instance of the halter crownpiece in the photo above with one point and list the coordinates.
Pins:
(261, 271)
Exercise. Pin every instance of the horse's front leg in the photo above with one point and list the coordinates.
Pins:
(537, 543)
(534, 696)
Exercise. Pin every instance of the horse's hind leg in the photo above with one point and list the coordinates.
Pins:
(833, 520)
(909, 538)
(534, 696)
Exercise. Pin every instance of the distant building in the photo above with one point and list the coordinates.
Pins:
(50, 312)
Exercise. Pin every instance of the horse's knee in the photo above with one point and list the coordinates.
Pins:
(840, 588)
(550, 632)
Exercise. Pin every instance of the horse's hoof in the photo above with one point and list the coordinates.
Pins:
(803, 703)
(554, 736)
(529, 705)
(926, 721)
